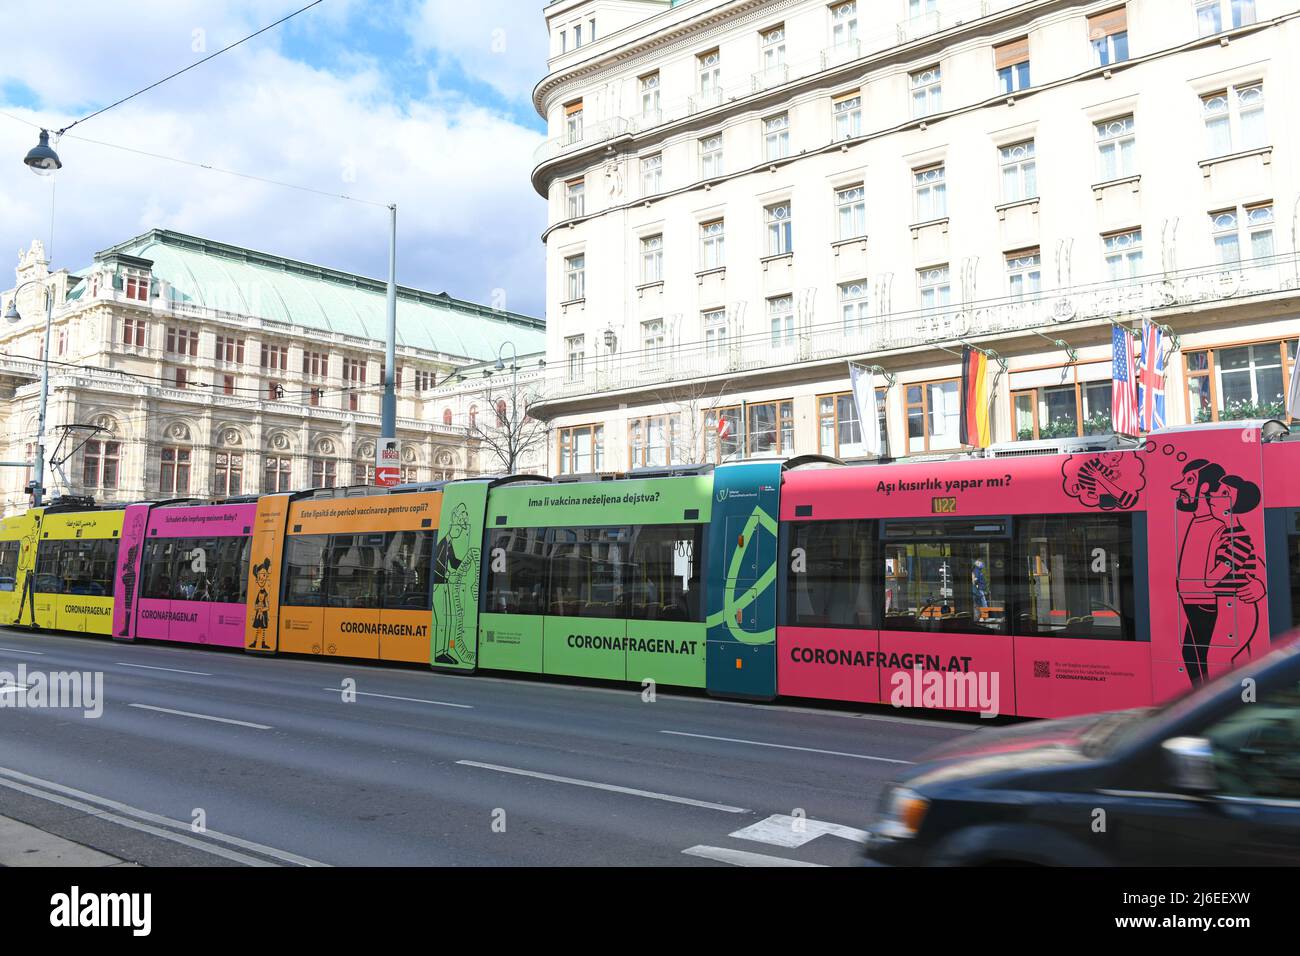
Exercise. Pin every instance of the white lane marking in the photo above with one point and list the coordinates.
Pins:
(742, 857)
(413, 700)
(85, 802)
(14, 688)
(781, 829)
(613, 788)
(186, 713)
(763, 743)
(15, 650)
(151, 667)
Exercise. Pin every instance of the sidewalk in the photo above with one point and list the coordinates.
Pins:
(24, 845)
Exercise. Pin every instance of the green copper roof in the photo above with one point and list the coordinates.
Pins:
(229, 278)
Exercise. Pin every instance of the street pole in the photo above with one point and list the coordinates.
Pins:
(387, 458)
(512, 435)
(38, 482)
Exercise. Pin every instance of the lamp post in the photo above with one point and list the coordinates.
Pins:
(514, 395)
(387, 458)
(43, 161)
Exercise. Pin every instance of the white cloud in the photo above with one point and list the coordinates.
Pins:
(468, 219)
(489, 40)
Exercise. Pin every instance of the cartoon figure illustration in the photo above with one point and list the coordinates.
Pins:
(1238, 573)
(27, 547)
(1109, 481)
(261, 605)
(455, 565)
(128, 573)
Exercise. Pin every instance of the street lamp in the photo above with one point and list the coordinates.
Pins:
(41, 158)
(514, 393)
(38, 487)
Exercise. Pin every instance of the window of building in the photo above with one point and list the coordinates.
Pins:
(354, 378)
(847, 113)
(581, 449)
(931, 193)
(230, 350)
(709, 70)
(1234, 119)
(575, 354)
(934, 287)
(1069, 410)
(711, 156)
(363, 473)
(773, 44)
(776, 137)
(577, 35)
(275, 391)
(228, 385)
(275, 356)
(136, 287)
(1116, 147)
(927, 92)
(652, 174)
(174, 473)
(135, 332)
(712, 245)
(323, 472)
(182, 341)
(1249, 227)
(836, 584)
(1108, 34)
(771, 428)
(1011, 60)
(276, 474)
(575, 196)
(946, 575)
(573, 123)
(652, 259)
(652, 338)
(853, 306)
(229, 478)
(1123, 254)
(1239, 382)
(918, 8)
(715, 330)
(779, 219)
(181, 377)
(650, 440)
(649, 94)
(1210, 15)
(839, 427)
(575, 277)
(780, 318)
(933, 415)
(723, 438)
(315, 364)
(314, 395)
(100, 464)
(844, 24)
(1024, 273)
(1019, 171)
(851, 212)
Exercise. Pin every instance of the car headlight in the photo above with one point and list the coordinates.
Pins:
(903, 813)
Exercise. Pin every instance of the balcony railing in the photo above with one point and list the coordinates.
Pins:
(592, 134)
(1122, 300)
(772, 76)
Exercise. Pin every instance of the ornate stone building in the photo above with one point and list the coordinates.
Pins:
(195, 368)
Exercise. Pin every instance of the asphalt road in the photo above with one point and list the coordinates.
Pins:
(431, 769)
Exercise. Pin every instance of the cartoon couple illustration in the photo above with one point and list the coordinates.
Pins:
(1220, 575)
(455, 571)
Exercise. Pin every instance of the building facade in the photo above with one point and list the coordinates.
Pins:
(746, 195)
(183, 367)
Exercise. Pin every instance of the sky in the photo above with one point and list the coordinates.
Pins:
(425, 103)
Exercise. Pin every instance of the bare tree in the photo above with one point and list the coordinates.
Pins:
(504, 428)
(690, 403)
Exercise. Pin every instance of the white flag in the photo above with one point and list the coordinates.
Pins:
(1293, 393)
(864, 394)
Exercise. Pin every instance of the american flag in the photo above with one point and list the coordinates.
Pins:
(1123, 395)
(1151, 379)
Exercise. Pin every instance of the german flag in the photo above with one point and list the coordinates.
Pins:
(975, 399)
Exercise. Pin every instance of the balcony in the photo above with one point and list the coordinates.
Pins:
(840, 54)
(592, 134)
(705, 100)
(830, 342)
(917, 27)
(772, 76)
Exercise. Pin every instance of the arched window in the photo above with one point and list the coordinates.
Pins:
(503, 420)
(446, 416)
(473, 415)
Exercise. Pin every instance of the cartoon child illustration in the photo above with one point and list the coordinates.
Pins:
(455, 565)
(261, 605)
(128, 574)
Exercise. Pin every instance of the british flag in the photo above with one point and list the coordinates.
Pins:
(1123, 394)
(1151, 379)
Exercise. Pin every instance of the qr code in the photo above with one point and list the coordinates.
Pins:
(491, 637)
(1042, 669)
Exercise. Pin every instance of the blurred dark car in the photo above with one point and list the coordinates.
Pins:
(1212, 777)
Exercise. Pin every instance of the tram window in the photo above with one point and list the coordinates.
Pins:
(831, 578)
(88, 567)
(355, 565)
(589, 572)
(947, 584)
(156, 569)
(8, 564)
(49, 568)
(1076, 579)
(663, 576)
(518, 560)
(229, 572)
(195, 562)
(304, 570)
(1294, 555)
(408, 561)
